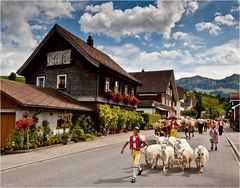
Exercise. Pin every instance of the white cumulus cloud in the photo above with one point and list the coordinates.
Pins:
(18, 21)
(211, 27)
(104, 19)
(227, 19)
(189, 40)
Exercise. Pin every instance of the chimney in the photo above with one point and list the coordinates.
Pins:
(143, 70)
(90, 41)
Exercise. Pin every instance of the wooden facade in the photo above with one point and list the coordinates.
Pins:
(86, 73)
(158, 92)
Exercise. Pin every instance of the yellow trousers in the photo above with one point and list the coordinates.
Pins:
(136, 157)
(173, 132)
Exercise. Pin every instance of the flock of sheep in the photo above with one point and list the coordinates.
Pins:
(169, 149)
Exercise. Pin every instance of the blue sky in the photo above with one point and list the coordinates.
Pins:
(191, 37)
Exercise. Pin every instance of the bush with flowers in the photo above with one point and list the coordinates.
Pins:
(25, 123)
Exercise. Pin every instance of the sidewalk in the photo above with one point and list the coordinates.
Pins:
(18, 160)
(233, 136)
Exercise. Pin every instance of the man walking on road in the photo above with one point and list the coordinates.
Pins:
(136, 142)
(200, 125)
(221, 123)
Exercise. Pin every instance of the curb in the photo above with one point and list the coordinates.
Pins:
(233, 146)
(56, 157)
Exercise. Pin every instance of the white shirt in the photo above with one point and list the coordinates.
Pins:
(201, 121)
(142, 139)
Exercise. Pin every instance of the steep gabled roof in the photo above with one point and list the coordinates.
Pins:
(93, 55)
(156, 81)
(32, 96)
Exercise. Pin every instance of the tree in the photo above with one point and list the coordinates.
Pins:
(199, 107)
(12, 76)
(192, 113)
(211, 104)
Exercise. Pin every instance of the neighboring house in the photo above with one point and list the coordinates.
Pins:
(188, 103)
(180, 103)
(65, 62)
(18, 100)
(235, 104)
(158, 93)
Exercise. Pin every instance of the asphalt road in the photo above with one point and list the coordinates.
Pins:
(105, 167)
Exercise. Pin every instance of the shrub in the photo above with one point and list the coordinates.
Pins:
(16, 140)
(46, 131)
(154, 118)
(12, 76)
(34, 134)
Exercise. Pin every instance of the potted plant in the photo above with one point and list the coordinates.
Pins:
(134, 100)
(125, 99)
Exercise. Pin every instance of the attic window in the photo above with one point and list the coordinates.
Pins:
(59, 57)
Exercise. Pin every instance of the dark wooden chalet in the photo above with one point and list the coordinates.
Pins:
(75, 67)
(158, 93)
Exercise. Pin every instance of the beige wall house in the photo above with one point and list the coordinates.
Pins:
(18, 99)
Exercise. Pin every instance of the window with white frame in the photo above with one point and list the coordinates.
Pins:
(107, 84)
(61, 81)
(163, 100)
(125, 89)
(116, 86)
(40, 81)
(132, 91)
(170, 102)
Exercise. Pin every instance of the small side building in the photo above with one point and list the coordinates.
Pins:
(19, 99)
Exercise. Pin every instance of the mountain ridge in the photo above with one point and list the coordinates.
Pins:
(220, 87)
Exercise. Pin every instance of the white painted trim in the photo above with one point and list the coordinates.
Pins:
(8, 111)
(59, 80)
(235, 106)
(147, 94)
(44, 80)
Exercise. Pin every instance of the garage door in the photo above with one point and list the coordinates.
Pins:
(7, 125)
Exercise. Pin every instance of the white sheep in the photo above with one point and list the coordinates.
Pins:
(152, 154)
(171, 141)
(167, 156)
(201, 156)
(179, 145)
(160, 139)
(185, 156)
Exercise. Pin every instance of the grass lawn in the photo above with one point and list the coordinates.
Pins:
(18, 79)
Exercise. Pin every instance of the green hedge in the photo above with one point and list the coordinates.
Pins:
(115, 118)
(150, 119)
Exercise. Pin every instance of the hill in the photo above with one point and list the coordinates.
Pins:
(220, 87)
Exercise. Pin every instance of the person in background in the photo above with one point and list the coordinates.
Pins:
(137, 142)
(200, 125)
(221, 124)
(174, 125)
(213, 136)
